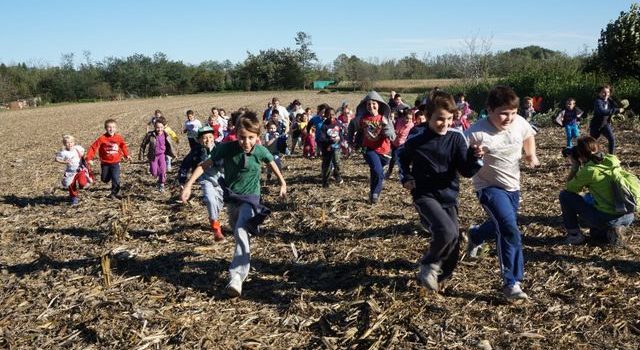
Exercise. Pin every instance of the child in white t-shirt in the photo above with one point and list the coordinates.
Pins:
(191, 126)
(71, 155)
(502, 136)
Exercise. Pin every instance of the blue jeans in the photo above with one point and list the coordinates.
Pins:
(376, 170)
(502, 207)
(571, 131)
(574, 205)
(596, 131)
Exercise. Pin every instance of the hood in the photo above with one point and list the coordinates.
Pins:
(383, 107)
(610, 161)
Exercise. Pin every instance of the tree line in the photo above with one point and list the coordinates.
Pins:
(617, 57)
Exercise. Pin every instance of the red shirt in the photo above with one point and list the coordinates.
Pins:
(109, 149)
(372, 135)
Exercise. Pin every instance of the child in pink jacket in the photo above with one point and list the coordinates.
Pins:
(403, 124)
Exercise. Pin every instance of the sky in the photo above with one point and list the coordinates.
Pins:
(39, 32)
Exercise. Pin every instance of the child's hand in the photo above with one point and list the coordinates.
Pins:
(185, 194)
(283, 190)
(532, 161)
(409, 185)
(478, 152)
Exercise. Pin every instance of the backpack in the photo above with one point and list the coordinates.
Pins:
(626, 191)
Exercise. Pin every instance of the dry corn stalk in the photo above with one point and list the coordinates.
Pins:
(105, 263)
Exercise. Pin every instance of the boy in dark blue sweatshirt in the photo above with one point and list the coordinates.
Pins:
(429, 165)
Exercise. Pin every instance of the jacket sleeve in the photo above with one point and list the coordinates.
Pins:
(388, 130)
(123, 147)
(94, 148)
(601, 108)
(143, 145)
(406, 154)
(583, 178)
(465, 161)
(352, 129)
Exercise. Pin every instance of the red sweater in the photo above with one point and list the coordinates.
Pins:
(373, 136)
(109, 149)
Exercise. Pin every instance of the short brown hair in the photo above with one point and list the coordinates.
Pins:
(587, 147)
(440, 100)
(162, 120)
(502, 96)
(250, 122)
(110, 121)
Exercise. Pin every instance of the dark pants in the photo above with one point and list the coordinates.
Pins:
(502, 207)
(596, 131)
(328, 158)
(193, 144)
(574, 205)
(111, 172)
(376, 171)
(394, 159)
(443, 224)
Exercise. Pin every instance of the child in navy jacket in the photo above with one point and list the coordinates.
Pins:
(429, 165)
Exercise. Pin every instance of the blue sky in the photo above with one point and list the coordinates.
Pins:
(38, 32)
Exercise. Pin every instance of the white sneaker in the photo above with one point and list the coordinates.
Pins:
(514, 292)
(575, 238)
(472, 248)
(234, 288)
(428, 275)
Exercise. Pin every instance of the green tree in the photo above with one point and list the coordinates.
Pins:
(619, 45)
(306, 57)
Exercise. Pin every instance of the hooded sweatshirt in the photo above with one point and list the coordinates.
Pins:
(594, 176)
(376, 130)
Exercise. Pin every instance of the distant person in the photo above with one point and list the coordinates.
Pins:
(154, 117)
(374, 131)
(270, 141)
(160, 146)
(316, 123)
(331, 136)
(569, 118)
(73, 179)
(402, 125)
(603, 109)
(502, 137)
(174, 137)
(398, 103)
(242, 165)
(429, 167)
(528, 112)
(592, 171)
(110, 147)
(190, 127)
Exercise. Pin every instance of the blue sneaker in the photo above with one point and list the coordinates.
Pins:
(74, 200)
(472, 248)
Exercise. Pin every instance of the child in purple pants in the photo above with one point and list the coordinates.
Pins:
(159, 146)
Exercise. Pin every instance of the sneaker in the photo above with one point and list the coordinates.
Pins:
(234, 288)
(576, 237)
(217, 231)
(374, 198)
(325, 184)
(339, 180)
(472, 248)
(74, 200)
(615, 234)
(428, 275)
(514, 292)
(160, 187)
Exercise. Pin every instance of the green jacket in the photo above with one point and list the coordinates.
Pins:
(596, 178)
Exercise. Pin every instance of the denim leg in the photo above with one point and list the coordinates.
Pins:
(115, 178)
(568, 132)
(238, 218)
(376, 171)
(502, 207)
(574, 205)
(213, 198)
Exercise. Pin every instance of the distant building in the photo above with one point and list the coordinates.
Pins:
(321, 84)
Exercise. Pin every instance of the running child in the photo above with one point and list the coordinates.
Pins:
(403, 124)
(429, 167)
(160, 146)
(190, 127)
(110, 147)
(603, 109)
(570, 119)
(270, 141)
(242, 164)
(331, 136)
(71, 155)
(502, 137)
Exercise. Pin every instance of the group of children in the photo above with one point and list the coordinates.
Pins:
(430, 143)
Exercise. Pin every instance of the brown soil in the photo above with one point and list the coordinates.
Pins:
(352, 284)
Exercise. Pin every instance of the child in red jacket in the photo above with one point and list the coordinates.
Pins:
(110, 147)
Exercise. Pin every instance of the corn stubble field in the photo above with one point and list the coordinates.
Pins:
(329, 271)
